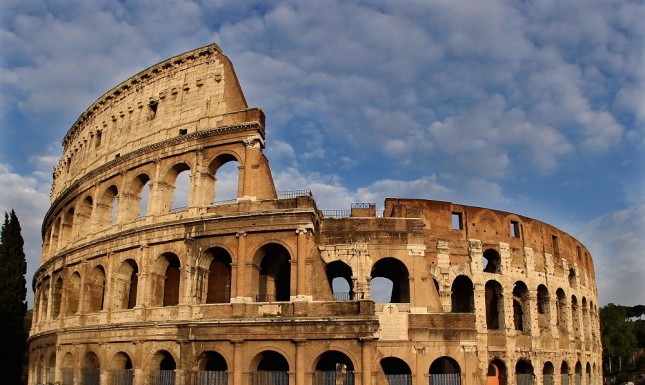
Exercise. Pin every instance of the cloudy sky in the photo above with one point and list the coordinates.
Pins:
(535, 107)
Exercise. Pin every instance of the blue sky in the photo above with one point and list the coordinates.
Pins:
(534, 107)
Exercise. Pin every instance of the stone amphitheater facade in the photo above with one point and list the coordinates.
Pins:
(135, 287)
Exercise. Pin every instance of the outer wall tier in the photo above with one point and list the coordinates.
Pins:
(135, 288)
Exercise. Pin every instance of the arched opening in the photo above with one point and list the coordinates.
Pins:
(225, 173)
(578, 376)
(572, 278)
(84, 216)
(44, 299)
(272, 368)
(524, 373)
(57, 296)
(548, 374)
(67, 369)
(395, 271)
(543, 307)
(521, 306)
(561, 303)
(219, 277)
(68, 226)
(588, 374)
(95, 290)
(121, 370)
(496, 373)
(445, 371)
(51, 368)
(585, 318)
(109, 205)
(126, 285)
(492, 262)
(494, 296)
(73, 289)
(212, 369)
(90, 369)
(462, 295)
(162, 370)
(273, 273)
(333, 368)
(575, 316)
(172, 279)
(396, 371)
(177, 186)
(137, 197)
(564, 373)
(339, 276)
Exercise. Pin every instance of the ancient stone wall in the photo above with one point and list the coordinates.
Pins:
(149, 277)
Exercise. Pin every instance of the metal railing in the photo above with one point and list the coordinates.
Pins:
(333, 377)
(339, 214)
(263, 377)
(294, 194)
(399, 379)
(122, 377)
(162, 377)
(564, 379)
(445, 379)
(211, 377)
(347, 296)
(224, 202)
(524, 379)
(548, 379)
(68, 376)
(90, 376)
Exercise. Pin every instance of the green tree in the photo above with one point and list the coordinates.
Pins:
(13, 303)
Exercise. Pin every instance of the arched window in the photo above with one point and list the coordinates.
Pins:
(578, 376)
(68, 226)
(73, 289)
(585, 317)
(126, 285)
(172, 280)
(445, 370)
(272, 368)
(57, 297)
(463, 298)
(573, 278)
(564, 373)
(108, 205)
(51, 368)
(396, 371)
(339, 276)
(162, 370)
(492, 262)
(44, 299)
(67, 369)
(334, 367)
(95, 290)
(212, 369)
(521, 306)
(496, 374)
(562, 309)
(575, 316)
(176, 187)
(543, 307)
(136, 197)
(273, 273)
(219, 277)
(524, 373)
(90, 370)
(396, 272)
(548, 374)
(494, 305)
(224, 170)
(84, 216)
(121, 370)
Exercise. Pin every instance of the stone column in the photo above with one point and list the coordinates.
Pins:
(241, 290)
(237, 362)
(301, 288)
(252, 147)
(300, 361)
(366, 360)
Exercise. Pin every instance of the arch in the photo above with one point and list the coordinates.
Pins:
(270, 368)
(564, 373)
(212, 369)
(543, 307)
(218, 289)
(67, 226)
(44, 299)
(397, 371)
(224, 171)
(84, 216)
(175, 188)
(588, 374)
(496, 373)
(126, 285)
(272, 273)
(137, 197)
(494, 297)
(162, 368)
(95, 290)
(524, 374)
(575, 316)
(395, 271)
(51, 368)
(73, 289)
(548, 374)
(333, 365)
(462, 295)
(492, 261)
(109, 204)
(67, 368)
(521, 306)
(445, 370)
(573, 278)
(585, 317)
(171, 279)
(121, 369)
(561, 304)
(578, 374)
(90, 369)
(57, 297)
(339, 276)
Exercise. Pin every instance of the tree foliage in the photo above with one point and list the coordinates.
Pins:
(13, 303)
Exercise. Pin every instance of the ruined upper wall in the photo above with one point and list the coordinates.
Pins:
(194, 91)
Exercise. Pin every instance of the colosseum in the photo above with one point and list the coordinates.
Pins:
(140, 284)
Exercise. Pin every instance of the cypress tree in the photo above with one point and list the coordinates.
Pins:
(13, 304)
